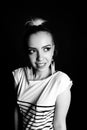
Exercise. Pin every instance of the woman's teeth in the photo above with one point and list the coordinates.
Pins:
(41, 64)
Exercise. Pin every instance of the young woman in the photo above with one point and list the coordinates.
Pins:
(43, 94)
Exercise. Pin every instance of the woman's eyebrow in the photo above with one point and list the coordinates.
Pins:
(49, 45)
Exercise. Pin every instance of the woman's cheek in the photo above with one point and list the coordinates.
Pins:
(32, 59)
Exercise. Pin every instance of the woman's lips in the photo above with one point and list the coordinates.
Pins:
(40, 64)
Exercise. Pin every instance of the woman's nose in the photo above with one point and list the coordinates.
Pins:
(39, 56)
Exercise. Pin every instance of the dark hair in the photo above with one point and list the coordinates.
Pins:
(33, 29)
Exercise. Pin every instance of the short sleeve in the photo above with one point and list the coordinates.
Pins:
(65, 83)
(17, 75)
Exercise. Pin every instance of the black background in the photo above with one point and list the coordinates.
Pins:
(71, 25)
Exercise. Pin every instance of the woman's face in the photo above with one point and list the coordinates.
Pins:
(40, 50)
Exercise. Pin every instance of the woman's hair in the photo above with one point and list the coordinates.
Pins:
(36, 25)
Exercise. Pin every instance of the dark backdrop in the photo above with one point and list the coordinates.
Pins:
(71, 27)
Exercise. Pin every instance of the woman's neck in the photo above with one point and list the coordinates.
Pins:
(42, 74)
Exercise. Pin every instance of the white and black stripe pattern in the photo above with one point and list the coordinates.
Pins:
(36, 117)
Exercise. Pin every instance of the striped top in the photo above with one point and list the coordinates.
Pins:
(37, 117)
(36, 99)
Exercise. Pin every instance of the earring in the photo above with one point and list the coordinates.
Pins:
(52, 66)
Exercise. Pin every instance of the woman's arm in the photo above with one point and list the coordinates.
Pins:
(16, 75)
(16, 118)
(62, 106)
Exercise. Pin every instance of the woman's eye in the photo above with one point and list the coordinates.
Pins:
(47, 49)
(31, 51)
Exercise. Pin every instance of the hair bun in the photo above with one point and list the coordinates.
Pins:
(35, 22)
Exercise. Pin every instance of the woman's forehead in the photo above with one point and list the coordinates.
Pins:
(40, 39)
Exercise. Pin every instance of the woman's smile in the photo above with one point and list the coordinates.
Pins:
(41, 65)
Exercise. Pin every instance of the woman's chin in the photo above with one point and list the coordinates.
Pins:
(42, 67)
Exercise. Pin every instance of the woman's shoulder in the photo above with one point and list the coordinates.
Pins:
(63, 81)
(17, 74)
(17, 70)
(62, 75)
(63, 78)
